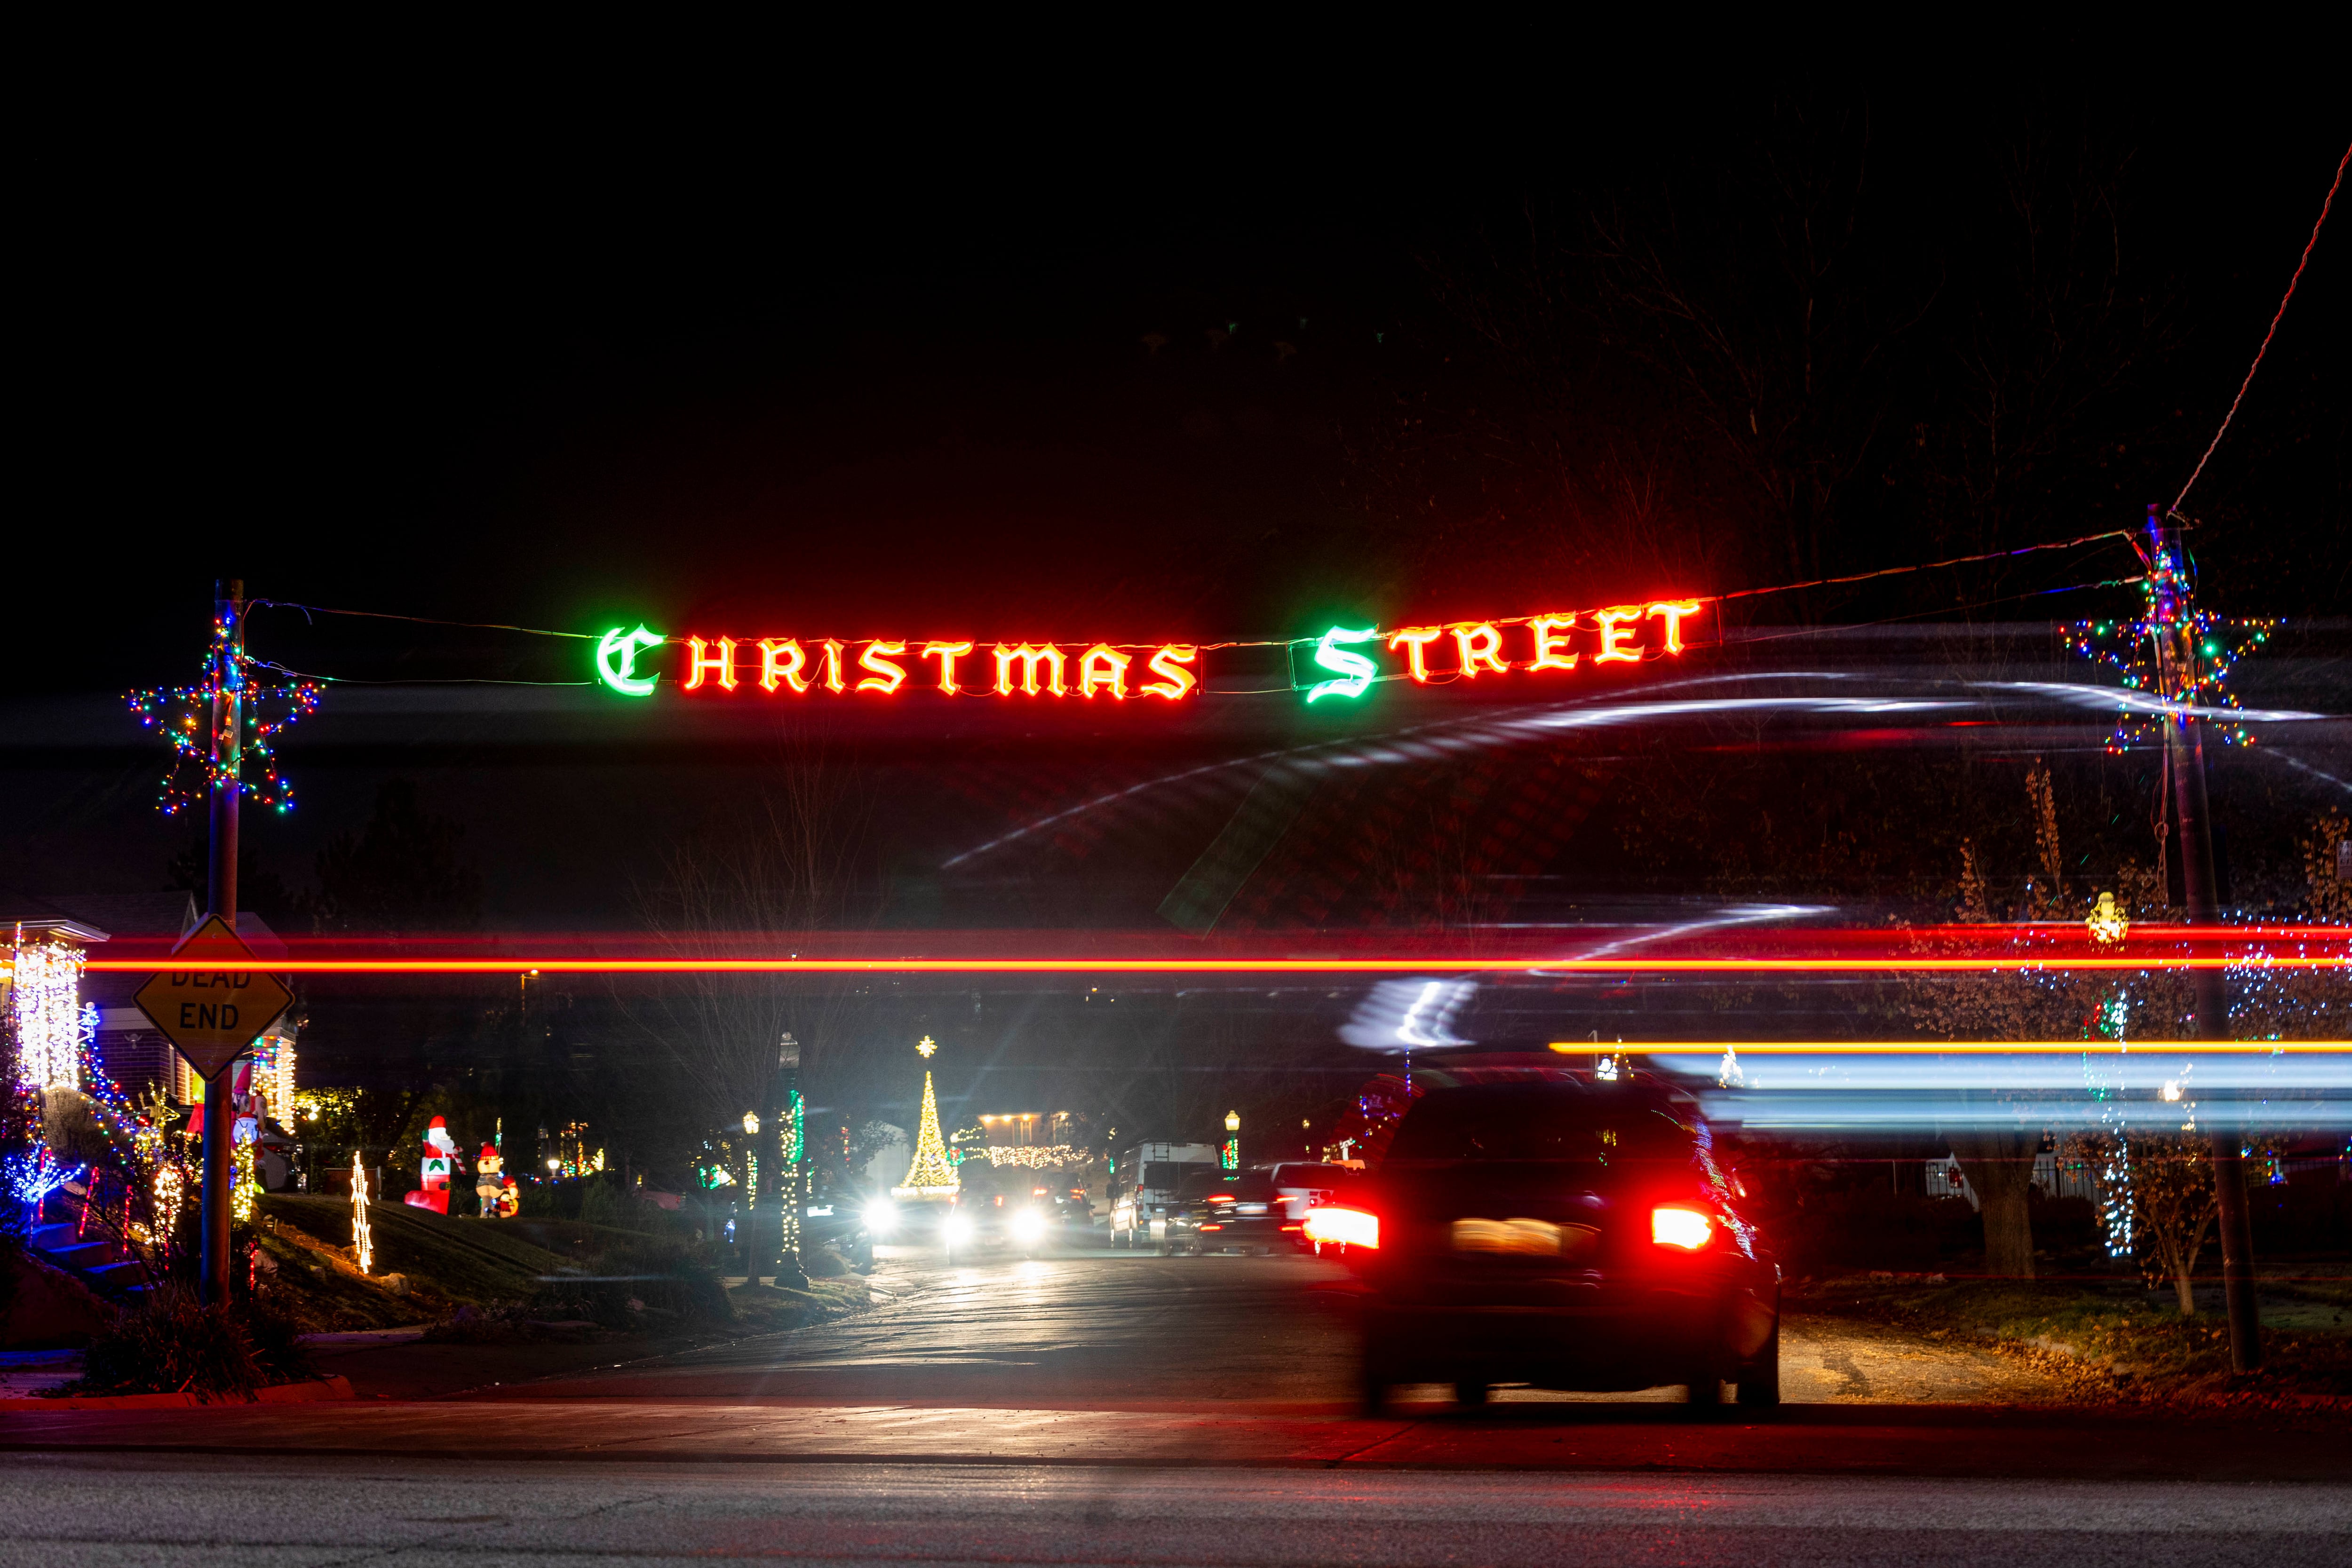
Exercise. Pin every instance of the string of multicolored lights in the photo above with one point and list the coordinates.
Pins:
(2214, 645)
(183, 714)
(111, 1107)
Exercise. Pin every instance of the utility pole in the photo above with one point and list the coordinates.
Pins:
(220, 899)
(2178, 657)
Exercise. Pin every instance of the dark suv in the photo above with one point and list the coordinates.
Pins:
(1560, 1232)
(1218, 1212)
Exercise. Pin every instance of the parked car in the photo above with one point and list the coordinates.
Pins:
(1215, 1212)
(1299, 1185)
(840, 1222)
(1563, 1233)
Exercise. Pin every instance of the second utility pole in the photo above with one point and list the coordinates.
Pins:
(2178, 662)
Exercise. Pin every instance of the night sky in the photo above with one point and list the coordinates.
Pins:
(568, 361)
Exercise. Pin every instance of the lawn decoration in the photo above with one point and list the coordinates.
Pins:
(362, 1242)
(486, 1185)
(440, 1158)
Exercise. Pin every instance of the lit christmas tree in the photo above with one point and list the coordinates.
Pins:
(932, 1174)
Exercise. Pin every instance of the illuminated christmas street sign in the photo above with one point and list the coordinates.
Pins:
(1343, 662)
(214, 1002)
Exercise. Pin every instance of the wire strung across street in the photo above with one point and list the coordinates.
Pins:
(2175, 509)
(1205, 647)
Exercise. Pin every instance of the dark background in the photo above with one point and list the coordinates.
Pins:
(1035, 356)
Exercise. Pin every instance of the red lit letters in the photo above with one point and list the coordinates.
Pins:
(1612, 640)
(1029, 657)
(1169, 664)
(1551, 638)
(699, 664)
(887, 677)
(1674, 613)
(1416, 642)
(1481, 646)
(1556, 643)
(1103, 665)
(788, 671)
(947, 653)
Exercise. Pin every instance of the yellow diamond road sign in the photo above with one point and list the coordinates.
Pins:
(213, 1002)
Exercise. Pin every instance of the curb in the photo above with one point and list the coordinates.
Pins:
(313, 1393)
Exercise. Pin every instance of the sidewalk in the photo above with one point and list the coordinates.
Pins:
(1943, 1441)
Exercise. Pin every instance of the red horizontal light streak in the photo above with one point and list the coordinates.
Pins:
(1141, 965)
(1952, 1047)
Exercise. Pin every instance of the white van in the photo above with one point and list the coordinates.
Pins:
(1144, 1183)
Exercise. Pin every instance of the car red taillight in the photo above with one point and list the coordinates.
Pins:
(1343, 1226)
(1684, 1227)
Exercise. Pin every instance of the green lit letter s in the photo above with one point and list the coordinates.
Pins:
(1354, 671)
(616, 660)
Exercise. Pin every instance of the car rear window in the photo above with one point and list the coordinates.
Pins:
(1537, 1122)
(1163, 1175)
(1249, 1187)
(1310, 1175)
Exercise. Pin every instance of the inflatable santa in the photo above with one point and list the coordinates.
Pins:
(440, 1159)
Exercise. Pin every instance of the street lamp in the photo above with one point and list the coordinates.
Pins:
(750, 1122)
(1229, 1157)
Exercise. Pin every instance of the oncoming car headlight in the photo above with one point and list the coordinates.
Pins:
(1028, 1226)
(958, 1229)
(882, 1217)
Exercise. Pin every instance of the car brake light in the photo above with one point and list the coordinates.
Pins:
(1346, 1227)
(1684, 1227)
(1212, 1227)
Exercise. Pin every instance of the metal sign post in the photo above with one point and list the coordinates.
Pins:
(212, 1005)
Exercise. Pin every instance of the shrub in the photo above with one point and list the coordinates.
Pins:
(12, 1250)
(657, 1272)
(276, 1336)
(172, 1344)
(602, 1201)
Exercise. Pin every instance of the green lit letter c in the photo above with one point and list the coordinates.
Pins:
(616, 660)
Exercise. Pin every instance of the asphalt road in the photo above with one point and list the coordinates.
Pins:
(1112, 1407)
(135, 1509)
(1132, 1330)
